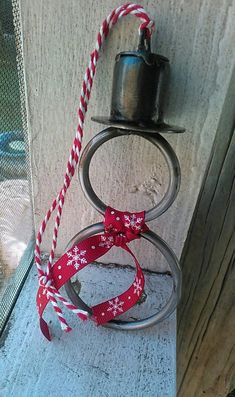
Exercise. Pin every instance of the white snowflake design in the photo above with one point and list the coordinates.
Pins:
(115, 306)
(137, 286)
(132, 222)
(76, 258)
(106, 242)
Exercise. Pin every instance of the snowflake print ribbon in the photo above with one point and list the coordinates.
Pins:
(137, 286)
(115, 306)
(120, 229)
(76, 257)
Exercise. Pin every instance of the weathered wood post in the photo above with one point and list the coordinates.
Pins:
(206, 315)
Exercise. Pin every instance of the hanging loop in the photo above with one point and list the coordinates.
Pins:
(144, 41)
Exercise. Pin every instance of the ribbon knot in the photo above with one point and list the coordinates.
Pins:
(123, 227)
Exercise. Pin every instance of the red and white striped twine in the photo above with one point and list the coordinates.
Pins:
(44, 276)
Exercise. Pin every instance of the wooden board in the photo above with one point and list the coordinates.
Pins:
(89, 361)
(197, 37)
(206, 317)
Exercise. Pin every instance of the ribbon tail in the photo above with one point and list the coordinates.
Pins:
(106, 311)
(45, 329)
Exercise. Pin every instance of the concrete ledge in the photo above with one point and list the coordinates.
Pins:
(90, 361)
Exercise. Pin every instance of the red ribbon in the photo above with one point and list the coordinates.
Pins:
(120, 229)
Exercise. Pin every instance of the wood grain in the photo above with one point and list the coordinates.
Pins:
(197, 37)
(206, 316)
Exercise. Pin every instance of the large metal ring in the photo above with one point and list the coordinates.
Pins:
(174, 268)
(155, 139)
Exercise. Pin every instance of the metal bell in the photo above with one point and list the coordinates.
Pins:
(137, 94)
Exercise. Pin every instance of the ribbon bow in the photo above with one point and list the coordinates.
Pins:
(120, 229)
(123, 226)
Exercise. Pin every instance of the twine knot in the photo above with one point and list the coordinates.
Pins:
(45, 281)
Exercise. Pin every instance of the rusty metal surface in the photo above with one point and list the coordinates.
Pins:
(138, 91)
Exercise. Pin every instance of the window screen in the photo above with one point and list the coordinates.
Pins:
(16, 222)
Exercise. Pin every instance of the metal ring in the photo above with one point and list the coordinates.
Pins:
(176, 276)
(155, 139)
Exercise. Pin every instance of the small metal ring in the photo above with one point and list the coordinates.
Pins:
(175, 271)
(155, 139)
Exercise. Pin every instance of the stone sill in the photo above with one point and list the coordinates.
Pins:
(90, 361)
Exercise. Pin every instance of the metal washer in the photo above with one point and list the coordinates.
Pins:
(155, 139)
(175, 271)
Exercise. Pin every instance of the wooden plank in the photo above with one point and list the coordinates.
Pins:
(206, 318)
(197, 37)
(90, 361)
